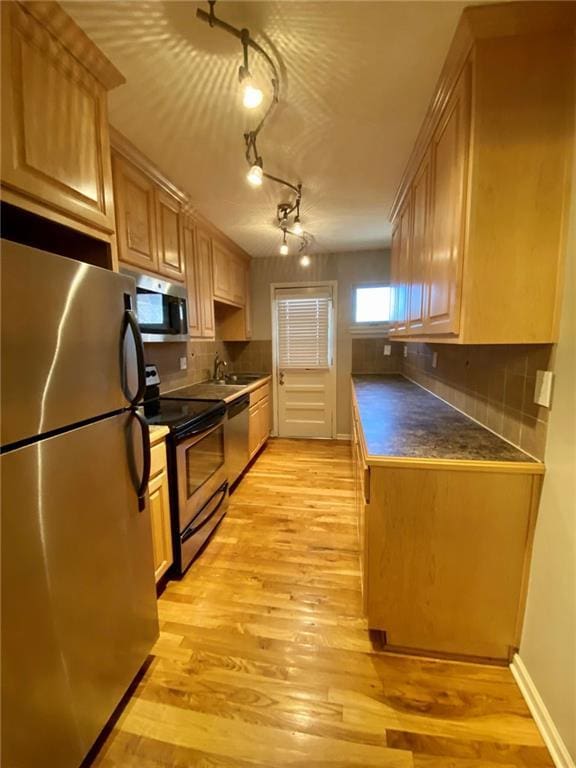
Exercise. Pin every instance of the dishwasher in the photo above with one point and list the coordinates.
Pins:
(236, 437)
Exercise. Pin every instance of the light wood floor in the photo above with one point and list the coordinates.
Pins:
(264, 658)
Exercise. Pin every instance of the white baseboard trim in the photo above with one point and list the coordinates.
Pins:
(342, 436)
(542, 718)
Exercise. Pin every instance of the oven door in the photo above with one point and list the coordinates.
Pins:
(200, 470)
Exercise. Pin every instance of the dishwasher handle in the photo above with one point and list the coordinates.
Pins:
(237, 406)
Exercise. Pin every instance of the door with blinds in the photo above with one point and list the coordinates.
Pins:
(304, 343)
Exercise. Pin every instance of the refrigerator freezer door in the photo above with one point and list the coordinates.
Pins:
(79, 612)
(61, 343)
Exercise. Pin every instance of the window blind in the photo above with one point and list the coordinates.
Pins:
(303, 330)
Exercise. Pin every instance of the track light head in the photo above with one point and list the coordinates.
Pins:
(297, 228)
(252, 96)
(255, 175)
(284, 246)
(305, 260)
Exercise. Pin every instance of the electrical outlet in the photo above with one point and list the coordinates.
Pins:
(405, 350)
(543, 388)
(434, 359)
(183, 363)
(387, 350)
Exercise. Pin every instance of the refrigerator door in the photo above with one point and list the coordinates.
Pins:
(79, 612)
(67, 347)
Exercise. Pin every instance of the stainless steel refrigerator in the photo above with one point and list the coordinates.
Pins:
(79, 610)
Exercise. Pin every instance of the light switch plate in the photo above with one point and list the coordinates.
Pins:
(543, 388)
(183, 363)
(405, 350)
(434, 359)
(387, 350)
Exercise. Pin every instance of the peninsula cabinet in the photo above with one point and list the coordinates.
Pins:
(55, 139)
(479, 220)
(198, 254)
(148, 219)
(445, 548)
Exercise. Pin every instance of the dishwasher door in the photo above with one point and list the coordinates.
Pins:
(236, 437)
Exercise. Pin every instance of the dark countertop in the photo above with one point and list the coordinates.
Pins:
(400, 419)
(211, 390)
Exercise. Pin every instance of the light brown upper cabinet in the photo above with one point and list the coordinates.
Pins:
(229, 276)
(198, 252)
(148, 221)
(55, 140)
(135, 215)
(487, 185)
(170, 248)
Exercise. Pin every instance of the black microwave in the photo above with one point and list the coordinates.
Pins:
(160, 308)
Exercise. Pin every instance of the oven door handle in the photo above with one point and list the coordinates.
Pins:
(130, 322)
(142, 483)
(205, 514)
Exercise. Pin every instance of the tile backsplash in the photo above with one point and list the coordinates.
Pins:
(493, 384)
(248, 356)
(368, 356)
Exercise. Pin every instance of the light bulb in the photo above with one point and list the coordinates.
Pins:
(284, 249)
(252, 96)
(255, 175)
(305, 260)
(297, 228)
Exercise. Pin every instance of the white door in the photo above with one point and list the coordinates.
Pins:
(304, 366)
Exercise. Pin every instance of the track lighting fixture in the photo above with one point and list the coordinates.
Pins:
(253, 97)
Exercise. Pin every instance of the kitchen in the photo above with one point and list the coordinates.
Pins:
(288, 436)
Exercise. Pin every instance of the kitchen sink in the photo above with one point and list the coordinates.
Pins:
(242, 378)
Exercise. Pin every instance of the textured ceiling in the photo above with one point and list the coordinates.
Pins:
(356, 81)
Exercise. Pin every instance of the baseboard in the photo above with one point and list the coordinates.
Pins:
(542, 718)
(342, 436)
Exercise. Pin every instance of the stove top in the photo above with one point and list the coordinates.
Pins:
(183, 417)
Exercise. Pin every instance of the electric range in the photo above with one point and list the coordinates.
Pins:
(196, 467)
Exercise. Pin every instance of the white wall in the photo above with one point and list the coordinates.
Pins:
(347, 269)
(548, 647)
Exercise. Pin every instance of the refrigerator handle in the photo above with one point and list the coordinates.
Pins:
(145, 478)
(130, 322)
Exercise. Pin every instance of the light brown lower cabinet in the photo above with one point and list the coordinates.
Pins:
(445, 552)
(259, 419)
(160, 507)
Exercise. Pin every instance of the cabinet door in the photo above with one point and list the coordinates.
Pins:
(248, 302)
(264, 420)
(205, 283)
(192, 280)
(254, 429)
(170, 250)
(160, 522)
(420, 244)
(402, 266)
(449, 166)
(135, 215)
(55, 141)
(222, 272)
(237, 285)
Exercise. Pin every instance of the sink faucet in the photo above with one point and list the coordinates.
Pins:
(218, 364)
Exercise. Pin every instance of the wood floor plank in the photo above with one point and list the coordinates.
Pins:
(264, 658)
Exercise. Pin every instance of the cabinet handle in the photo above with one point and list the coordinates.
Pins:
(366, 480)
